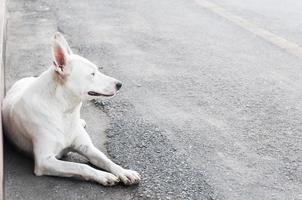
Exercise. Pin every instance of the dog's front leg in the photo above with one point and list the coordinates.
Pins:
(83, 123)
(47, 164)
(84, 146)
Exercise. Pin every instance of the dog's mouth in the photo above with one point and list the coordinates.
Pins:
(92, 93)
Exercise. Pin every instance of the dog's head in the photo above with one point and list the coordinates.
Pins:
(79, 75)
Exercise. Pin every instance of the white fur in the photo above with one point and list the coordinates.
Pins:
(42, 117)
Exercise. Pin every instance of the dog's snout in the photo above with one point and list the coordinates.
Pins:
(118, 85)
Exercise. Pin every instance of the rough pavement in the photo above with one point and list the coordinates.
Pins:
(207, 111)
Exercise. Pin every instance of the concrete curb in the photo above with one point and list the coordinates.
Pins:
(2, 82)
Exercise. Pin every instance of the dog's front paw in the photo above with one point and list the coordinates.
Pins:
(107, 179)
(128, 177)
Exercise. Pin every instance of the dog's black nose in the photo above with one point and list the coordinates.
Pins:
(118, 85)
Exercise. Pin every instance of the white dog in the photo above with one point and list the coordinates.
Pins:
(42, 117)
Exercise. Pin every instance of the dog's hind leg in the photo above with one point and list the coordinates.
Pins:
(84, 146)
(48, 164)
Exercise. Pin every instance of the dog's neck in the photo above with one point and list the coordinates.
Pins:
(56, 90)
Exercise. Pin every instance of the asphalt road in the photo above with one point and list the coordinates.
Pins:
(208, 109)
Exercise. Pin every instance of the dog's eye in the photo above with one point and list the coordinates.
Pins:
(93, 74)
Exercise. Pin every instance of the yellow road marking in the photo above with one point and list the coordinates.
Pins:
(274, 39)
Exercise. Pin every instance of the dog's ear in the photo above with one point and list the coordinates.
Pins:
(61, 51)
(60, 38)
